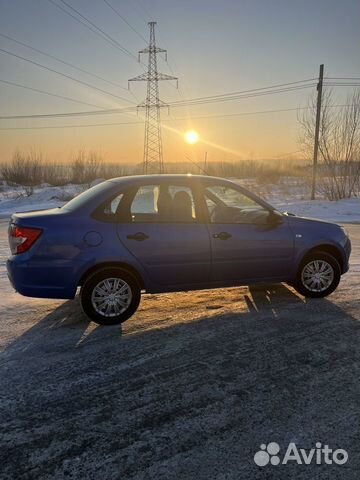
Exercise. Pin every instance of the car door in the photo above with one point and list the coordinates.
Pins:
(247, 241)
(163, 233)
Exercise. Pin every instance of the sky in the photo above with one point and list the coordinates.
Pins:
(214, 47)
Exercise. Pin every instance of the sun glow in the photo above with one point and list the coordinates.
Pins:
(191, 137)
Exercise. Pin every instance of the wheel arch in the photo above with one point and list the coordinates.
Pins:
(126, 266)
(331, 249)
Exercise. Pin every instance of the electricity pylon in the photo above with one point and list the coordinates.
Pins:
(153, 154)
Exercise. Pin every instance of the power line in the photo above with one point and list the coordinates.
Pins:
(69, 114)
(300, 84)
(239, 97)
(258, 89)
(64, 75)
(342, 78)
(195, 101)
(80, 21)
(125, 110)
(104, 35)
(52, 127)
(62, 61)
(261, 112)
(224, 115)
(102, 112)
(13, 84)
(124, 20)
(338, 84)
(146, 20)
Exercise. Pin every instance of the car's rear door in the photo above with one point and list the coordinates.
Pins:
(164, 234)
(244, 245)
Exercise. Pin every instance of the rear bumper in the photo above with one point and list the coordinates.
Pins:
(41, 281)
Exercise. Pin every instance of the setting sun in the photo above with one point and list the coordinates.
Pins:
(191, 137)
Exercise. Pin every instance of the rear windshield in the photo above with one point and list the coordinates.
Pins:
(84, 197)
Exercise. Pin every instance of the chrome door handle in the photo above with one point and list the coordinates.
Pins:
(222, 235)
(139, 236)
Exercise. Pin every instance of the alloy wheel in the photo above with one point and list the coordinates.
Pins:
(111, 297)
(317, 275)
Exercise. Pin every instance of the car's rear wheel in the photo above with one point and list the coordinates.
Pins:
(110, 296)
(318, 276)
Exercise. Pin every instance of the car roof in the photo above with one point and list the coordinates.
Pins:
(138, 179)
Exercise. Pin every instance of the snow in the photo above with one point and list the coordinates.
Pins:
(18, 198)
(290, 194)
(342, 211)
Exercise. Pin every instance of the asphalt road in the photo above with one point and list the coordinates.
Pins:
(189, 388)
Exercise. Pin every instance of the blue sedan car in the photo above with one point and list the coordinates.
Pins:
(164, 233)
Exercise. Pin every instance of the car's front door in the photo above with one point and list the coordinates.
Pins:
(245, 243)
(165, 236)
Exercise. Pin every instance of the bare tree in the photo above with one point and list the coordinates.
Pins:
(24, 169)
(86, 166)
(78, 166)
(93, 164)
(339, 144)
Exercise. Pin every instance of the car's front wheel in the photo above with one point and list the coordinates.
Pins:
(110, 296)
(318, 276)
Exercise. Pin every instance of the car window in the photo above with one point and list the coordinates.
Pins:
(112, 206)
(86, 196)
(163, 203)
(144, 201)
(229, 205)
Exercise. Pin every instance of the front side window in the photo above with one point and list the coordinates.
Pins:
(228, 205)
(163, 203)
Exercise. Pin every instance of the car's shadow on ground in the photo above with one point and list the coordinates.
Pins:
(193, 397)
(69, 325)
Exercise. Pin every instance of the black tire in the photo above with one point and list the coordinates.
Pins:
(110, 273)
(303, 289)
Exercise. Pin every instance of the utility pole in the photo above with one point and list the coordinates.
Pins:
(153, 154)
(317, 129)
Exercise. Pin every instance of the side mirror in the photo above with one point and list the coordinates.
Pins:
(275, 218)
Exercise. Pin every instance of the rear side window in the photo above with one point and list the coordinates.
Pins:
(84, 197)
(111, 207)
(163, 203)
(109, 210)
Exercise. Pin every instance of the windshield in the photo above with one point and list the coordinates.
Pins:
(84, 197)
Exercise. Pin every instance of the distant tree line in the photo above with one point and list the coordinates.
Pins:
(32, 169)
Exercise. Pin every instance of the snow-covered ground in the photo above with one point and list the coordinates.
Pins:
(288, 195)
(18, 198)
(342, 211)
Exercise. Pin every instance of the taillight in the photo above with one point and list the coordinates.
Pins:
(22, 238)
